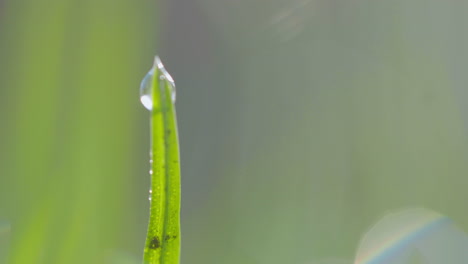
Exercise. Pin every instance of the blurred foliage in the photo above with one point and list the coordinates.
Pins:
(301, 123)
(70, 127)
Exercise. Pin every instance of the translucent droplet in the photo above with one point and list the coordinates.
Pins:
(165, 79)
(145, 90)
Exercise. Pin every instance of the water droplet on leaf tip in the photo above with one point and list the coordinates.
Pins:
(147, 82)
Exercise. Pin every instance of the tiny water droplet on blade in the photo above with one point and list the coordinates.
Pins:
(165, 80)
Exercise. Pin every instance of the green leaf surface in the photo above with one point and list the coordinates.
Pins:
(163, 239)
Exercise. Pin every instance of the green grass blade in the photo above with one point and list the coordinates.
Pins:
(163, 239)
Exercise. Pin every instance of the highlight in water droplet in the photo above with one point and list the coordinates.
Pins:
(165, 80)
(145, 90)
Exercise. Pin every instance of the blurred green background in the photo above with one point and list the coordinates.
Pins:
(301, 123)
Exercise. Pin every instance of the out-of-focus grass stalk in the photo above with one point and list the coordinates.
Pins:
(70, 126)
(163, 239)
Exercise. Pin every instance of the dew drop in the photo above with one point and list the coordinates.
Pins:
(145, 90)
(165, 79)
